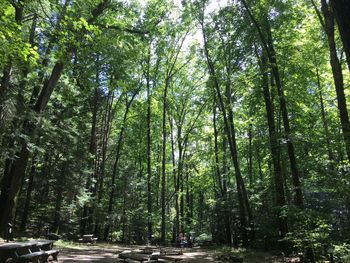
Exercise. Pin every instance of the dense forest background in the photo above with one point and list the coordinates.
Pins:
(128, 119)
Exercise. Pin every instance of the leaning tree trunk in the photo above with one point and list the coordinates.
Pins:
(10, 190)
(12, 179)
(244, 207)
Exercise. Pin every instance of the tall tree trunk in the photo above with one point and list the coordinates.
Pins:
(91, 182)
(176, 182)
(250, 154)
(107, 121)
(337, 74)
(342, 10)
(168, 76)
(224, 194)
(325, 122)
(274, 150)
(216, 147)
(59, 192)
(30, 187)
(116, 164)
(268, 46)
(149, 143)
(124, 217)
(244, 207)
(298, 198)
(8, 196)
(163, 183)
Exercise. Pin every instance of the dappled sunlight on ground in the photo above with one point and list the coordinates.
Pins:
(107, 253)
(110, 254)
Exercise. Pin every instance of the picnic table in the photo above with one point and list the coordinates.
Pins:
(88, 239)
(30, 251)
(168, 255)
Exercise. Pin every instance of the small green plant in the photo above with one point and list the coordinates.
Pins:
(310, 233)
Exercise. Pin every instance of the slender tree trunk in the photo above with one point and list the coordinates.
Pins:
(325, 122)
(124, 217)
(116, 164)
(105, 136)
(274, 151)
(290, 145)
(176, 182)
(59, 192)
(224, 194)
(268, 46)
(149, 143)
(250, 154)
(28, 196)
(244, 207)
(216, 147)
(163, 185)
(86, 221)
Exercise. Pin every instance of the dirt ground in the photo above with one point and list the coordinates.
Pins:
(109, 253)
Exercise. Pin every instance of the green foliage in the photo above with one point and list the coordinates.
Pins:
(135, 48)
(310, 230)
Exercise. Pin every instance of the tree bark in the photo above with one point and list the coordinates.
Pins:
(91, 182)
(116, 164)
(59, 192)
(216, 147)
(106, 124)
(149, 143)
(341, 10)
(244, 207)
(274, 150)
(268, 46)
(30, 187)
(8, 196)
(163, 183)
(337, 74)
(325, 122)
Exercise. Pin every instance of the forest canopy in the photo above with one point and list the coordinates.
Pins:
(139, 119)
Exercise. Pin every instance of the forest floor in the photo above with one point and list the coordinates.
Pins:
(109, 253)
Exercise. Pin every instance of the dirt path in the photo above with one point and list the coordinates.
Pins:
(110, 253)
